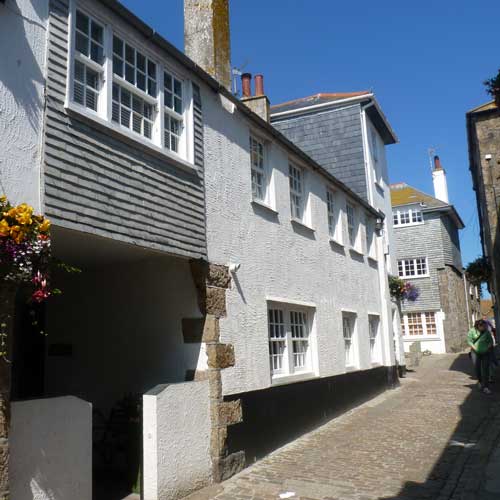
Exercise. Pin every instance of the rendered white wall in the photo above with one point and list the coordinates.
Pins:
(124, 323)
(176, 431)
(23, 30)
(277, 259)
(51, 449)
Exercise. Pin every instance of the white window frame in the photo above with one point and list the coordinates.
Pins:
(352, 225)
(293, 352)
(409, 268)
(334, 218)
(185, 156)
(375, 154)
(407, 213)
(371, 238)
(374, 338)
(349, 324)
(259, 168)
(296, 181)
(426, 326)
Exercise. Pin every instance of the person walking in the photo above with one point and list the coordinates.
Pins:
(481, 344)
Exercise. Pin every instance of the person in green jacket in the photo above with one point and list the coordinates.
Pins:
(481, 344)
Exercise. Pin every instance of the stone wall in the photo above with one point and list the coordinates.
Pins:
(454, 305)
(211, 282)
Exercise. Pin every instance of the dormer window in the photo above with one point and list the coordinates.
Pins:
(407, 216)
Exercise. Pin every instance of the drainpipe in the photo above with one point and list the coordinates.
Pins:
(467, 305)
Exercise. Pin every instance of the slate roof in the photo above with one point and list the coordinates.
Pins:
(312, 100)
(403, 194)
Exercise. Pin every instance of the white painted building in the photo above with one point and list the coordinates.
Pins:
(229, 281)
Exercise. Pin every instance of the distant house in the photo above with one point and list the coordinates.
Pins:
(347, 133)
(483, 134)
(426, 230)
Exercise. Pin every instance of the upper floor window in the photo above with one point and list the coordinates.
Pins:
(296, 178)
(120, 83)
(413, 267)
(407, 216)
(289, 340)
(257, 159)
(352, 225)
(89, 38)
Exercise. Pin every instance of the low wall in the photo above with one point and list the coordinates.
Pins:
(278, 415)
(176, 433)
(51, 449)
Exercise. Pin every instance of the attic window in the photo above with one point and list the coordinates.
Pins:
(407, 216)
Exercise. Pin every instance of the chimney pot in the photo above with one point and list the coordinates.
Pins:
(246, 84)
(437, 163)
(259, 85)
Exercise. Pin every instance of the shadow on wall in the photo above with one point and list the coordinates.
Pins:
(21, 74)
(468, 444)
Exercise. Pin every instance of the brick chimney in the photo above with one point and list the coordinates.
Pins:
(258, 103)
(207, 37)
(439, 180)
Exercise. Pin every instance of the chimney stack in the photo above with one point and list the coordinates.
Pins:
(258, 103)
(439, 180)
(207, 37)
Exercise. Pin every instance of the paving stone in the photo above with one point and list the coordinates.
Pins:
(429, 439)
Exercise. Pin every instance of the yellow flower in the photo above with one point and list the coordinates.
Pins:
(16, 234)
(4, 228)
(44, 226)
(23, 214)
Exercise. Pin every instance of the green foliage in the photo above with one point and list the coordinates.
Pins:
(478, 271)
(493, 85)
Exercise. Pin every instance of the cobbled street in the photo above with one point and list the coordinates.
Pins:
(430, 439)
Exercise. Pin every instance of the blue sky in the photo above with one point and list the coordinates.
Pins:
(424, 60)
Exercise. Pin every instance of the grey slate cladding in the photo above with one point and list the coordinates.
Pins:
(333, 138)
(436, 239)
(100, 183)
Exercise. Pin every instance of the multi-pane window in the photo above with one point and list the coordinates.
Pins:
(330, 207)
(348, 334)
(89, 38)
(300, 338)
(412, 267)
(132, 80)
(407, 216)
(258, 173)
(419, 324)
(352, 229)
(277, 340)
(173, 112)
(296, 178)
(289, 342)
(132, 112)
(370, 238)
(86, 86)
(134, 67)
(373, 331)
(88, 64)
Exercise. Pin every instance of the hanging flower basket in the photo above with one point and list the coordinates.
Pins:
(401, 290)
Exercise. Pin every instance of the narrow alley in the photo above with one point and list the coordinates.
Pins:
(436, 437)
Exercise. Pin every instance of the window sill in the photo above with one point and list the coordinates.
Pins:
(396, 226)
(122, 134)
(351, 368)
(336, 242)
(356, 251)
(435, 337)
(290, 379)
(302, 224)
(415, 277)
(260, 203)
